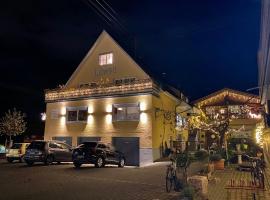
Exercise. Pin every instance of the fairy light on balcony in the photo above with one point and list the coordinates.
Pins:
(105, 89)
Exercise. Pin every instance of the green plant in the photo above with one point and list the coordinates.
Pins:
(189, 192)
(201, 155)
(215, 157)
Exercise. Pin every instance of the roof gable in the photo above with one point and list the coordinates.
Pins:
(227, 96)
(90, 71)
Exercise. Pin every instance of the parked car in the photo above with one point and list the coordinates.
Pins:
(97, 153)
(16, 152)
(2, 151)
(48, 152)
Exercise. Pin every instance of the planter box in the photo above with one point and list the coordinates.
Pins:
(219, 165)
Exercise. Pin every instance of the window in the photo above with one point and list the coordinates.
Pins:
(75, 114)
(63, 146)
(101, 146)
(82, 115)
(53, 146)
(126, 112)
(235, 109)
(105, 59)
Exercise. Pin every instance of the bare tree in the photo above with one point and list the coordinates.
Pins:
(12, 123)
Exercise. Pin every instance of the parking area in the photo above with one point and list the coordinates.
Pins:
(17, 181)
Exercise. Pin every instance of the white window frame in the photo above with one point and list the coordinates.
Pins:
(126, 117)
(104, 59)
(77, 109)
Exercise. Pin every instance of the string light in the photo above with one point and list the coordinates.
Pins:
(108, 89)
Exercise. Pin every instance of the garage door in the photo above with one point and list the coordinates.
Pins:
(129, 146)
(87, 139)
(67, 140)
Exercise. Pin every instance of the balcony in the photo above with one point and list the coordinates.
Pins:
(136, 87)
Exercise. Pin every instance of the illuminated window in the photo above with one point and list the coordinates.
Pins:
(75, 114)
(235, 109)
(105, 59)
(126, 112)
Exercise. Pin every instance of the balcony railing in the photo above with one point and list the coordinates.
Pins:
(138, 86)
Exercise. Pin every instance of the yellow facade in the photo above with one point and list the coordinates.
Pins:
(99, 122)
(152, 129)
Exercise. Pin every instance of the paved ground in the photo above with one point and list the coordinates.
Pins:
(17, 181)
(217, 186)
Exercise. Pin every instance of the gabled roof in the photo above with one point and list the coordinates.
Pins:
(99, 39)
(229, 96)
(175, 92)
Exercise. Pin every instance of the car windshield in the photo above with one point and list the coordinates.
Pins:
(36, 145)
(16, 146)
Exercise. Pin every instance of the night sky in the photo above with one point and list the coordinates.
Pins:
(201, 45)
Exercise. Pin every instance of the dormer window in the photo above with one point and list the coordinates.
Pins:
(105, 59)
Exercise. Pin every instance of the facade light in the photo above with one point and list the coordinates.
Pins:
(43, 116)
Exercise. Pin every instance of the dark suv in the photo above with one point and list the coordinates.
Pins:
(97, 153)
(48, 152)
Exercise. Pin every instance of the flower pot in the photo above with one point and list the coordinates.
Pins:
(219, 165)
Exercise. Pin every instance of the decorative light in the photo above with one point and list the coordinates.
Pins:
(90, 119)
(90, 109)
(63, 111)
(103, 89)
(63, 120)
(108, 118)
(255, 116)
(143, 117)
(109, 108)
(43, 116)
(142, 106)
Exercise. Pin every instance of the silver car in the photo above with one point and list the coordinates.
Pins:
(48, 152)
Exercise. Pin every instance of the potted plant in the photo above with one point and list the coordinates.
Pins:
(218, 162)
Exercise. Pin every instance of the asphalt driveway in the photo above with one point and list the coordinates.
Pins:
(18, 181)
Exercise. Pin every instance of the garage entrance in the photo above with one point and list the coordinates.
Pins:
(87, 139)
(130, 147)
(67, 140)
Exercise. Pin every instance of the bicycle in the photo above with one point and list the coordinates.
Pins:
(257, 172)
(171, 176)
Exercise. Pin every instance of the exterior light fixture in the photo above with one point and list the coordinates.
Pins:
(143, 117)
(109, 108)
(43, 116)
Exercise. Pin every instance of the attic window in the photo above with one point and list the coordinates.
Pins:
(105, 59)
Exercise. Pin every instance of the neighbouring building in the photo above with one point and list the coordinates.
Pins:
(242, 110)
(111, 98)
(263, 63)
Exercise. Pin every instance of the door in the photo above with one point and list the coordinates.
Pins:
(65, 152)
(55, 150)
(130, 147)
(80, 140)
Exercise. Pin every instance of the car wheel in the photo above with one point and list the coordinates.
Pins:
(49, 160)
(29, 163)
(77, 165)
(121, 162)
(100, 162)
(21, 159)
(10, 160)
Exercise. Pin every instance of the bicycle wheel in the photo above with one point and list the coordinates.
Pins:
(261, 180)
(169, 179)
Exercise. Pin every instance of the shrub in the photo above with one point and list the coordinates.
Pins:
(201, 155)
(189, 192)
(215, 157)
